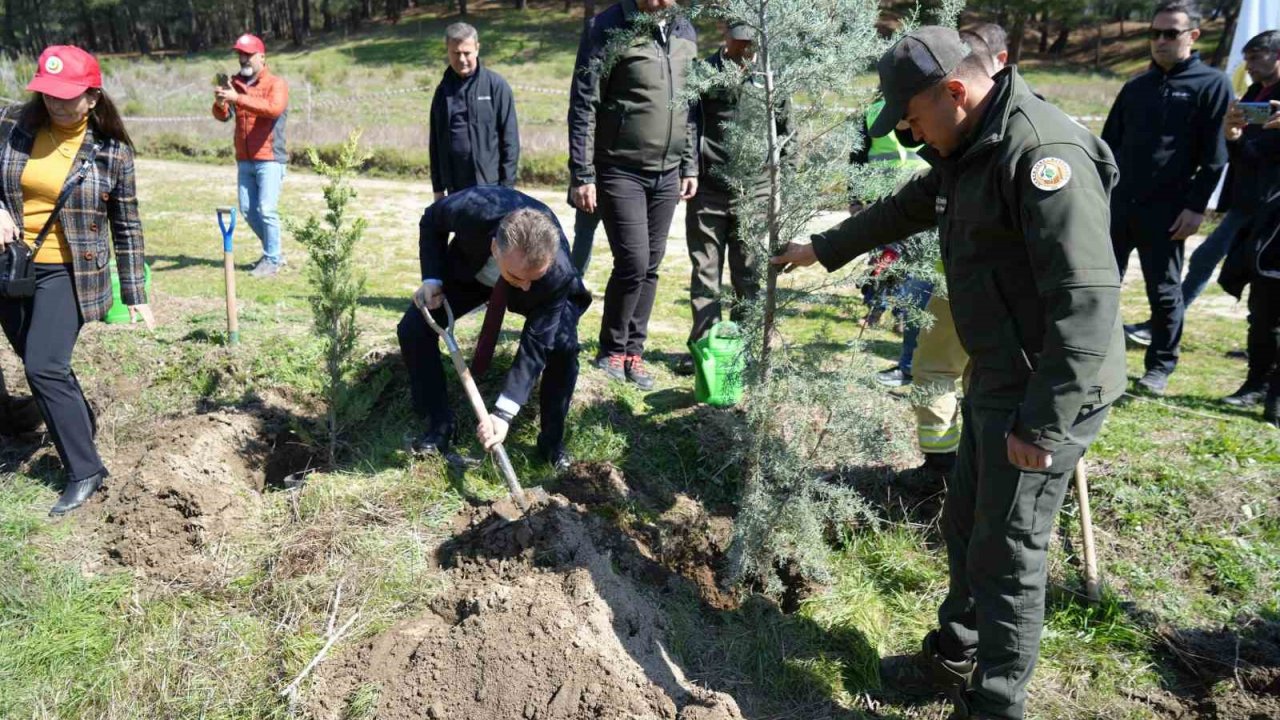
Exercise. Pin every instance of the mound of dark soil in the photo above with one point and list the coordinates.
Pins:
(535, 623)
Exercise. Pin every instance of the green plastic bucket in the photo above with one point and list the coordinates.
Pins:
(718, 362)
(119, 314)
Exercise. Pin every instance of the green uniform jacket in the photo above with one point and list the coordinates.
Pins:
(1023, 213)
(629, 116)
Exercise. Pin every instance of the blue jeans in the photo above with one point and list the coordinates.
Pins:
(1211, 252)
(917, 293)
(260, 182)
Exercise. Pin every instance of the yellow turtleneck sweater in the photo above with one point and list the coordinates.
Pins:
(54, 150)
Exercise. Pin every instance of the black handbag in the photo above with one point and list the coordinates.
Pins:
(17, 277)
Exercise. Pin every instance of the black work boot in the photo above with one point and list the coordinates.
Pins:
(1271, 409)
(926, 673)
(938, 466)
(434, 441)
(76, 492)
(613, 365)
(637, 373)
(1251, 393)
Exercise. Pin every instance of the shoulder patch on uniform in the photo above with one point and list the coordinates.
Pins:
(1050, 174)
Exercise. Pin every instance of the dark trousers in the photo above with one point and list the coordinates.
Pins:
(712, 229)
(637, 207)
(43, 330)
(1264, 332)
(584, 236)
(420, 347)
(1146, 229)
(997, 522)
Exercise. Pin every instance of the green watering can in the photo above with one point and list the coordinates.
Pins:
(119, 314)
(718, 362)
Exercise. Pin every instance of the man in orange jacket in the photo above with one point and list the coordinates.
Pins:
(259, 102)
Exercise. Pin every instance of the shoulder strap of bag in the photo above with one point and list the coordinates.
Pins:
(66, 193)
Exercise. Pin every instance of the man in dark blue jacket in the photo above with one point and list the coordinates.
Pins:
(1165, 130)
(474, 138)
(507, 249)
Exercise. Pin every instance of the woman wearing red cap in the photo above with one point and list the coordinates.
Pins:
(68, 139)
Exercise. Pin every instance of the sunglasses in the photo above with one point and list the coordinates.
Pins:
(1167, 34)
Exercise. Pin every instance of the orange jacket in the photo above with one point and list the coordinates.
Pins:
(260, 114)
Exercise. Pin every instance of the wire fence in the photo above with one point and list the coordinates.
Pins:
(311, 103)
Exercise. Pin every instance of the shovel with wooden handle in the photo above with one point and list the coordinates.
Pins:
(477, 403)
(229, 270)
(1092, 587)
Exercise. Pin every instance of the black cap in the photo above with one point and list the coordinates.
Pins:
(742, 31)
(916, 62)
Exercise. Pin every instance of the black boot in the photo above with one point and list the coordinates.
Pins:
(1271, 409)
(1251, 393)
(926, 673)
(76, 492)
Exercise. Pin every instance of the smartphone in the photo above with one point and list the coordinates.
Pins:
(1256, 113)
(221, 80)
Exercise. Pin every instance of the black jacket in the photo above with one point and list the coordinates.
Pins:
(1165, 130)
(495, 135)
(471, 216)
(715, 110)
(628, 116)
(1256, 252)
(1254, 172)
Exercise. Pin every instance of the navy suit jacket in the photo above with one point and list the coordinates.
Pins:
(472, 216)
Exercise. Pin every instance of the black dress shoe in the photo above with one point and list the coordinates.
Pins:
(559, 460)
(433, 442)
(19, 415)
(1250, 394)
(76, 492)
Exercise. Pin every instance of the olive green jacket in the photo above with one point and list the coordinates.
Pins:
(1023, 216)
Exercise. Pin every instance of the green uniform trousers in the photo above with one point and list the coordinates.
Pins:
(997, 522)
(711, 226)
(936, 367)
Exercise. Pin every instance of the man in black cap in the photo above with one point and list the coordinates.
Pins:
(712, 222)
(1019, 193)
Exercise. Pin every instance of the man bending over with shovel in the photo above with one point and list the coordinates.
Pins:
(508, 250)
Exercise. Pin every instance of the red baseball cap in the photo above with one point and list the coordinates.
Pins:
(65, 72)
(251, 44)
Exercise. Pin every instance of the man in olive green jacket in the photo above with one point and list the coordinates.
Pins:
(1020, 195)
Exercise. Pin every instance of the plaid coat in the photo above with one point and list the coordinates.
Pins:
(104, 207)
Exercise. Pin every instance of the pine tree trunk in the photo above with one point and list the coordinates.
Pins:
(1060, 42)
(296, 31)
(1221, 52)
(10, 39)
(1015, 37)
(86, 18)
(462, 7)
(773, 212)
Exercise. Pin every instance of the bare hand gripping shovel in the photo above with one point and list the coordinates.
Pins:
(477, 404)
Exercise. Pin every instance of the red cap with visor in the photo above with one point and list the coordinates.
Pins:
(65, 72)
(251, 44)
